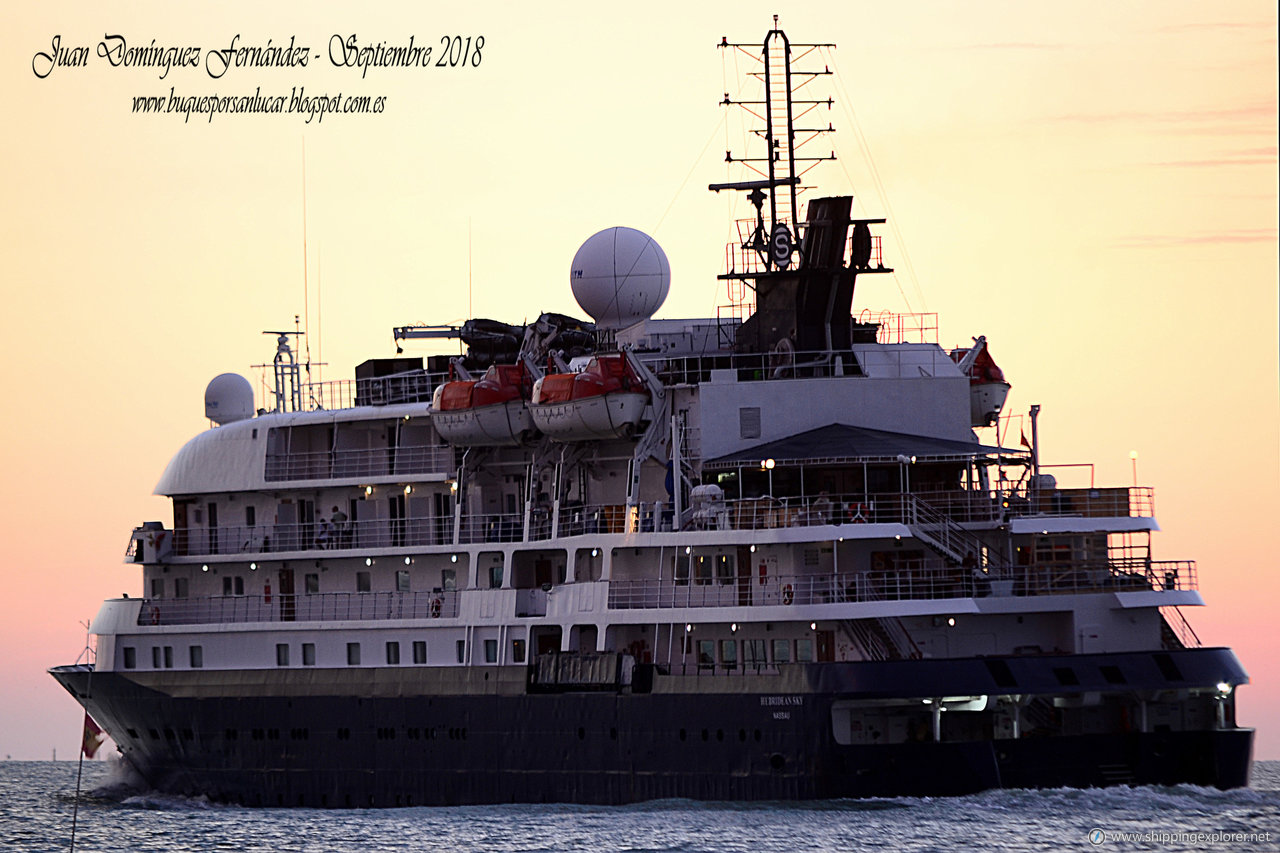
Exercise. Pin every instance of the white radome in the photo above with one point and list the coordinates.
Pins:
(620, 276)
(228, 398)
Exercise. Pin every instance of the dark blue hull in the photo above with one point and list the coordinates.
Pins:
(308, 743)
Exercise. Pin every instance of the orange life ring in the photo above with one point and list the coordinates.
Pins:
(435, 608)
(788, 593)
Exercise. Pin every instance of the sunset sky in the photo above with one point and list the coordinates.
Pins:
(1093, 186)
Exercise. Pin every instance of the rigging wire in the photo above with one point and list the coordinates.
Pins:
(864, 146)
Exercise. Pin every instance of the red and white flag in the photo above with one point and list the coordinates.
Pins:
(1024, 441)
(93, 737)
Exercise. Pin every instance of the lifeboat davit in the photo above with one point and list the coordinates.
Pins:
(491, 411)
(606, 400)
(987, 386)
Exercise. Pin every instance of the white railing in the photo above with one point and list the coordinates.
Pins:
(379, 462)
(299, 607)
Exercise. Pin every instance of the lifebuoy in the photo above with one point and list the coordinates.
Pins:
(788, 593)
(435, 608)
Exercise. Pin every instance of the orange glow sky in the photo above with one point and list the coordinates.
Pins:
(1091, 185)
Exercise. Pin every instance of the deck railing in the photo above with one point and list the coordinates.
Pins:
(928, 582)
(575, 519)
(299, 607)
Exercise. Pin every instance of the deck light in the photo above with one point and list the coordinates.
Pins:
(951, 622)
(734, 628)
(253, 567)
(688, 549)
(1224, 689)
(408, 490)
(453, 558)
(407, 561)
(205, 567)
(453, 486)
(368, 561)
(753, 549)
(688, 628)
(368, 490)
(595, 552)
(813, 626)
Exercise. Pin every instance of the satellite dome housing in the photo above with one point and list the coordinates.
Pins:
(228, 398)
(620, 276)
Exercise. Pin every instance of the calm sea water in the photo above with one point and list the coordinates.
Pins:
(36, 800)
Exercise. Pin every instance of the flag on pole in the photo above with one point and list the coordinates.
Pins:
(93, 737)
(1025, 443)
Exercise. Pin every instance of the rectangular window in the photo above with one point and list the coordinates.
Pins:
(226, 585)
(706, 654)
(419, 651)
(180, 587)
(362, 582)
(168, 657)
(130, 657)
(724, 568)
(680, 570)
(353, 654)
(157, 587)
(782, 651)
(402, 580)
(495, 576)
(393, 653)
(308, 654)
(462, 651)
(197, 656)
(155, 657)
(753, 653)
(702, 571)
(311, 583)
(250, 516)
(490, 651)
(729, 653)
(517, 651)
(449, 580)
(749, 422)
(282, 654)
(804, 650)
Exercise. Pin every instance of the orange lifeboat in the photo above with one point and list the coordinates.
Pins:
(987, 386)
(606, 400)
(487, 412)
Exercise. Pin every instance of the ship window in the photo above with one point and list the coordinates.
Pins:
(168, 657)
(449, 579)
(1066, 676)
(353, 654)
(782, 651)
(155, 657)
(402, 580)
(181, 587)
(1001, 673)
(724, 568)
(749, 422)
(157, 587)
(308, 654)
(490, 651)
(197, 656)
(130, 657)
(517, 651)
(462, 651)
(804, 650)
(311, 583)
(419, 651)
(681, 571)
(1168, 668)
(393, 653)
(250, 516)
(706, 654)
(702, 571)
(753, 653)
(495, 576)
(282, 654)
(729, 653)
(1113, 675)
(232, 585)
(362, 582)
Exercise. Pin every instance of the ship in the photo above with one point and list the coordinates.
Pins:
(784, 553)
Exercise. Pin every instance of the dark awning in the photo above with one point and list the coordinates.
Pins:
(843, 444)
